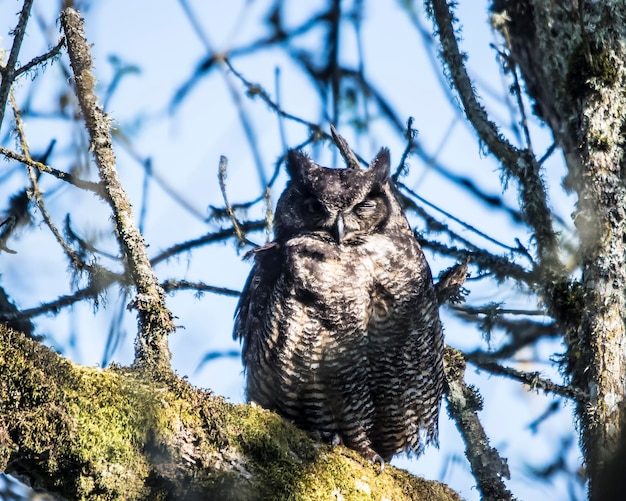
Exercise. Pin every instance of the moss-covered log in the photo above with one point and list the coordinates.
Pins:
(90, 433)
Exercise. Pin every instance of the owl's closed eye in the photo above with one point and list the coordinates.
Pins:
(336, 203)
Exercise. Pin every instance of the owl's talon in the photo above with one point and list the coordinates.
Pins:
(380, 461)
(335, 440)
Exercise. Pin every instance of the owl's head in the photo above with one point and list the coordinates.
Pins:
(342, 205)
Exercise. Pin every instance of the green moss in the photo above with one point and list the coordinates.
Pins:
(79, 430)
(114, 415)
(599, 142)
(88, 433)
(590, 68)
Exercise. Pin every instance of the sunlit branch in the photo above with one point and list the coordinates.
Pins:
(519, 163)
(221, 176)
(177, 285)
(155, 320)
(488, 468)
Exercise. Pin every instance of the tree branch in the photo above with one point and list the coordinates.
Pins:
(519, 163)
(53, 52)
(63, 176)
(90, 433)
(488, 468)
(155, 320)
(532, 379)
(8, 71)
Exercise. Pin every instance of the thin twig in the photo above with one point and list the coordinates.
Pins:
(53, 52)
(63, 176)
(410, 135)
(176, 285)
(457, 220)
(255, 89)
(155, 320)
(496, 310)
(221, 175)
(36, 194)
(106, 278)
(269, 214)
(348, 155)
(533, 379)
(207, 239)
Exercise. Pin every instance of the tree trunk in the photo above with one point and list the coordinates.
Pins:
(571, 55)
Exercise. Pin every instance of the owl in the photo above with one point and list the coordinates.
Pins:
(339, 319)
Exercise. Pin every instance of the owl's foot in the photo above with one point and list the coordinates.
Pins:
(335, 440)
(373, 457)
(378, 459)
(332, 438)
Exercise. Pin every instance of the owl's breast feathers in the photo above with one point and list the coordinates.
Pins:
(346, 339)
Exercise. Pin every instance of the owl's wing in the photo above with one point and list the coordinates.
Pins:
(256, 292)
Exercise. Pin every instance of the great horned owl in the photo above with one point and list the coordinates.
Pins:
(339, 319)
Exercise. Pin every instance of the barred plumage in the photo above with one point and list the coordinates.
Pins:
(339, 319)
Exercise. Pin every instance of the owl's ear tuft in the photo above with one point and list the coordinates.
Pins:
(380, 166)
(297, 164)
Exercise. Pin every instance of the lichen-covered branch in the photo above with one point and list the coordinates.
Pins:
(63, 176)
(520, 164)
(155, 320)
(89, 433)
(8, 72)
(488, 467)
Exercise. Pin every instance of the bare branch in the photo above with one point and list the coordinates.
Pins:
(53, 52)
(176, 285)
(222, 171)
(255, 89)
(533, 379)
(342, 145)
(488, 467)
(36, 194)
(155, 320)
(63, 176)
(8, 71)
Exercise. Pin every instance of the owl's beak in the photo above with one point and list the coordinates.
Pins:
(340, 228)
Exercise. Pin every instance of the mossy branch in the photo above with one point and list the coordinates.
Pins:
(155, 320)
(88, 433)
